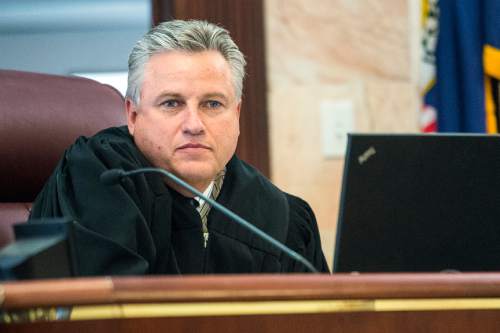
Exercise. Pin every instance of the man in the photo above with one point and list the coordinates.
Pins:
(183, 106)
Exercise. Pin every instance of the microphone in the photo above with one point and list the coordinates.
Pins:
(114, 176)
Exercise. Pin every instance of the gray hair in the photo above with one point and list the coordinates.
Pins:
(190, 36)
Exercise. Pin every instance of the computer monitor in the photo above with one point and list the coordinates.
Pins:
(44, 248)
(419, 203)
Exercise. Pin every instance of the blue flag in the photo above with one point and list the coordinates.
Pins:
(464, 93)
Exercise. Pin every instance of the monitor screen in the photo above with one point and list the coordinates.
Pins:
(43, 249)
(419, 203)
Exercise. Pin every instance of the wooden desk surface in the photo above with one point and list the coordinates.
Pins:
(261, 303)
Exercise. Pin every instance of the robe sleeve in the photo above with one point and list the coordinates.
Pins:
(112, 236)
(303, 237)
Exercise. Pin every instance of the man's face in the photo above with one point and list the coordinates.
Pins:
(187, 121)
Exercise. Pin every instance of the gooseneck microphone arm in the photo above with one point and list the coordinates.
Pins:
(114, 176)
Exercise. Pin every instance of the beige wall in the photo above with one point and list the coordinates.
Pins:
(363, 51)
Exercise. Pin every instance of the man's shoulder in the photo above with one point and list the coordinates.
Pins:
(112, 135)
(248, 175)
(296, 200)
(299, 207)
(105, 137)
(111, 144)
(251, 175)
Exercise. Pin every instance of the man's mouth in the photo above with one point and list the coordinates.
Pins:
(193, 145)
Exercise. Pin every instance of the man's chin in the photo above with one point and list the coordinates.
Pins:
(196, 176)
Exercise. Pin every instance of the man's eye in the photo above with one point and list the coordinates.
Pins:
(213, 104)
(171, 103)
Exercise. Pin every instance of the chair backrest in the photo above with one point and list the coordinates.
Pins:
(40, 116)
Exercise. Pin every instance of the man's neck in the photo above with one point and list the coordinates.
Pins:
(200, 186)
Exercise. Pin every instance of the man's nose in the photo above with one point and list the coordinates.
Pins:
(192, 122)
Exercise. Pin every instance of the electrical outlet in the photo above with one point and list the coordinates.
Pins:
(337, 119)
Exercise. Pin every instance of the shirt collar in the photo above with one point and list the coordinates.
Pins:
(207, 193)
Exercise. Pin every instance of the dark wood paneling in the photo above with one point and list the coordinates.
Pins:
(161, 11)
(244, 19)
(367, 322)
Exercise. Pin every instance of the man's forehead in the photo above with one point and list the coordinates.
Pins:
(180, 62)
(174, 72)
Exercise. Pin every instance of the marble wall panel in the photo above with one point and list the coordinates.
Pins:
(322, 40)
(356, 50)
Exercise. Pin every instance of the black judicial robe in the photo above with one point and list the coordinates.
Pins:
(141, 226)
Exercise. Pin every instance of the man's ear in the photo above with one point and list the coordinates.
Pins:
(238, 109)
(131, 109)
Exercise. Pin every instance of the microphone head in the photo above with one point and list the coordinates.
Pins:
(112, 176)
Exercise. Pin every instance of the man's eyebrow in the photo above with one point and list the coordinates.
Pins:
(169, 94)
(216, 95)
